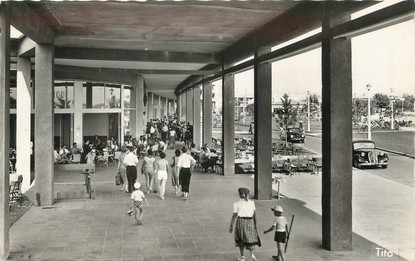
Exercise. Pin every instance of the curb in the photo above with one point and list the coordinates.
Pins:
(398, 152)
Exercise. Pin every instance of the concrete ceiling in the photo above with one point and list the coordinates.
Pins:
(156, 27)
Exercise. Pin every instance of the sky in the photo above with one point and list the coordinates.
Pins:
(384, 59)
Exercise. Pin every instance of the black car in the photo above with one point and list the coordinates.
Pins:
(365, 154)
(295, 135)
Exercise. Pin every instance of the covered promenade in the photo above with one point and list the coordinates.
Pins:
(173, 49)
(173, 229)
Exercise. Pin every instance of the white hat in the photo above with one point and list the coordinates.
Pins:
(137, 185)
(277, 208)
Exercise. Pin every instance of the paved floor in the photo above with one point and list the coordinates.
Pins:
(173, 229)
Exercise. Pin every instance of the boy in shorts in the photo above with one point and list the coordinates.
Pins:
(281, 227)
(137, 198)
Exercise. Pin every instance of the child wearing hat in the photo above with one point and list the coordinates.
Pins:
(137, 198)
(281, 226)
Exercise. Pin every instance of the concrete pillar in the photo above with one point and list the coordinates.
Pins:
(78, 115)
(139, 96)
(336, 139)
(4, 129)
(207, 114)
(179, 107)
(133, 112)
(156, 108)
(228, 124)
(164, 106)
(189, 107)
(122, 122)
(44, 56)
(150, 106)
(263, 128)
(196, 117)
(23, 115)
(183, 107)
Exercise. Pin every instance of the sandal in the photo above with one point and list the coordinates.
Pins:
(242, 258)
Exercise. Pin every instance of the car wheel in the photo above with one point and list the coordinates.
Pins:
(355, 163)
(385, 167)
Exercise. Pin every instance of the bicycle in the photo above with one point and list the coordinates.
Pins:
(87, 176)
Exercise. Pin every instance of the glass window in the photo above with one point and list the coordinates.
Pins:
(127, 97)
(63, 97)
(98, 97)
(112, 97)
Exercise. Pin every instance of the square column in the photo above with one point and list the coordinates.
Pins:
(78, 115)
(263, 129)
(196, 117)
(44, 91)
(336, 139)
(139, 107)
(228, 125)
(23, 118)
(207, 114)
(183, 107)
(179, 108)
(164, 104)
(150, 106)
(156, 106)
(189, 107)
(4, 130)
(133, 111)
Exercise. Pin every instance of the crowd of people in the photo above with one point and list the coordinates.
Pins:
(147, 156)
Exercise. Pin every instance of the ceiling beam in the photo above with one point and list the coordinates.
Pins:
(95, 75)
(131, 71)
(24, 19)
(394, 14)
(133, 55)
(300, 19)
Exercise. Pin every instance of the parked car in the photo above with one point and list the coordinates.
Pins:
(365, 154)
(295, 135)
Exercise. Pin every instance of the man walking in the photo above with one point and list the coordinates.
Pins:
(131, 161)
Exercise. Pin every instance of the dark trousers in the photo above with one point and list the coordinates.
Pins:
(131, 177)
(184, 178)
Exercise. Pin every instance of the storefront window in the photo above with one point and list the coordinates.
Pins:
(63, 97)
(127, 97)
(126, 120)
(106, 97)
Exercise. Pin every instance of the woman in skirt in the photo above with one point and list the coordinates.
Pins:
(246, 234)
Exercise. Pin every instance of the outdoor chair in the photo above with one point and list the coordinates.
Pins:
(103, 159)
(15, 193)
(278, 165)
(117, 155)
(317, 166)
(76, 158)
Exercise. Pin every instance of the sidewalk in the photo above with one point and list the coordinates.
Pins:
(174, 229)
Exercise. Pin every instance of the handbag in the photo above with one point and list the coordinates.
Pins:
(118, 179)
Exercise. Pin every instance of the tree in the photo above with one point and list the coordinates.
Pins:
(288, 113)
(359, 109)
(381, 100)
(249, 109)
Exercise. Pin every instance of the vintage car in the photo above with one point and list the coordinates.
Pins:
(295, 135)
(365, 154)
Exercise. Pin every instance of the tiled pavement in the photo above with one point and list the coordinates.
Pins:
(173, 229)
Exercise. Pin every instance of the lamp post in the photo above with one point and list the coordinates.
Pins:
(369, 123)
(308, 111)
(392, 121)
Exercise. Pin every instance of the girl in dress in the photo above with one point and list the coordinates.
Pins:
(246, 234)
